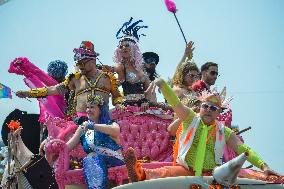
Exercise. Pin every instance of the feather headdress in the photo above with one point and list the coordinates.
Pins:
(129, 31)
(216, 98)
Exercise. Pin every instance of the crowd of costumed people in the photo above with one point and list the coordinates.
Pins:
(79, 139)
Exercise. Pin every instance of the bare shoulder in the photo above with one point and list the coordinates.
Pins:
(72, 84)
(119, 70)
(117, 67)
(71, 80)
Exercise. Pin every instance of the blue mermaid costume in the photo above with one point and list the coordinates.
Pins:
(103, 152)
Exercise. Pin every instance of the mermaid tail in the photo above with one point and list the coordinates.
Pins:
(95, 169)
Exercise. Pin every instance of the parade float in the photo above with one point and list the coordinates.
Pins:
(144, 130)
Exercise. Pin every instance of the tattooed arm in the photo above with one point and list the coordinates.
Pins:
(60, 88)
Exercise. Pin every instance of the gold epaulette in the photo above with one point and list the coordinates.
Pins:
(77, 75)
(67, 80)
(113, 81)
(114, 87)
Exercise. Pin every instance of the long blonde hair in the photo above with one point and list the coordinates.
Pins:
(181, 71)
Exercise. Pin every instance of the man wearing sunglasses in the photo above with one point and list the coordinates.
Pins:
(88, 80)
(200, 143)
(209, 74)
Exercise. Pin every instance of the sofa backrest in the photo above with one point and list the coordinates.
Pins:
(146, 133)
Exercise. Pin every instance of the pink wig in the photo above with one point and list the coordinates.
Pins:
(135, 55)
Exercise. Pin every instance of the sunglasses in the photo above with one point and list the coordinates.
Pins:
(124, 45)
(150, 60)
(209, 107)
(213, 73)
(193, 76)
(83, 62)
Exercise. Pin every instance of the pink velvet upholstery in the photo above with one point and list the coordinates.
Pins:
(63, 174)
(146, 133)
(63, 130)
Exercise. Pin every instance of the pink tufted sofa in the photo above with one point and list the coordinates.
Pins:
(146, 132)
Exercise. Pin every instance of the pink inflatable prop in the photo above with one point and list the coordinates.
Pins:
(53, 106)
(171, 6)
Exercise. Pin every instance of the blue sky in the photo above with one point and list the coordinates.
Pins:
(245, 37)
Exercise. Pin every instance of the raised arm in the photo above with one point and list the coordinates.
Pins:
(60, 88)
(181, 110)
(188, 54)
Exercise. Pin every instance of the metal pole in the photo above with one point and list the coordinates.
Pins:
(180, 29)
(242, 131)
